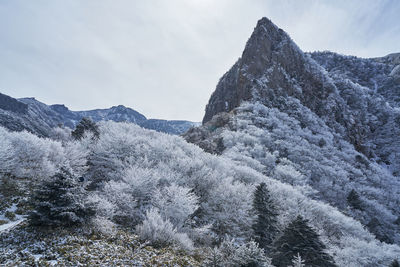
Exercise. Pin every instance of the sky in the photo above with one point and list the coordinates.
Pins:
(164, 58)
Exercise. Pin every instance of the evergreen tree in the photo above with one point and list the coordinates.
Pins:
(265, 226)
(395, 263)
(297, 261)
(214, 258)
(354, 200)
(299, 238)
(59, 201)
(83, 126)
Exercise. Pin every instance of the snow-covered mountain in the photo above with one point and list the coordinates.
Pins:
(36, 117)
(296, 163)
(321, 120)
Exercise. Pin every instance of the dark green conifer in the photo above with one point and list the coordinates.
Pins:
(299, 238)
(265, 226)
(394, 263)
(85, 125)
(59, 201)
(354, 200)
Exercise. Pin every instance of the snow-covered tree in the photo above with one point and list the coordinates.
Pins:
(250, 255)
(297, 261)
(62, 134)
(228, 209)
(176, 203)
(25, 155)
(160, 232)
(29, 156)
(214, 258)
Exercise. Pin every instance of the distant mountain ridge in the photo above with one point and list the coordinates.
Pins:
(36, 117)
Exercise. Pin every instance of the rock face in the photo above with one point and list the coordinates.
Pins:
(328, 121)
(272, 69)
(271, 66)
(39, 118)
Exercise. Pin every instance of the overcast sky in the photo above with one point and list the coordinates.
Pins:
(164, 58)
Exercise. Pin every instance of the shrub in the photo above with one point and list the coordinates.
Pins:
(160, 232)
(231, 254)
(176, 203)
(10, 215)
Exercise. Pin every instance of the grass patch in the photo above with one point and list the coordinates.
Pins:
(10, 215)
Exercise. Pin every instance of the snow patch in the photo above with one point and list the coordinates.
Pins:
(10, 225)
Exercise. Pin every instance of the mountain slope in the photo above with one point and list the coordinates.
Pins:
(311, 121)
(36, 117)
(17, 116)
(135, 163)
(371, 90)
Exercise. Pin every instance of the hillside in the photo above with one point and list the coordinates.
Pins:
(322, 120)
(164, 171)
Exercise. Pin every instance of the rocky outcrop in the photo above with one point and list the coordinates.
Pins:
(208, 135)
(271, 67)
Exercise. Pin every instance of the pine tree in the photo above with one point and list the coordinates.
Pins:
(214, 258)
(298, 261)
(265, 226)
(299, 238)
(354, 200)
(59, 201)
(85, 125)
(395, 263)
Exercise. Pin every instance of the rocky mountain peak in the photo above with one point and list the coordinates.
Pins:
(274, 72)
(266, 39)
(271, 66)
(234, 86)
(61, 108)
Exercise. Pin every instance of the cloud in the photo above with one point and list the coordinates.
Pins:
(164, 58)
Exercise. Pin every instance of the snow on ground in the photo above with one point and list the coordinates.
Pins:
(18, 219)
(10, 225)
